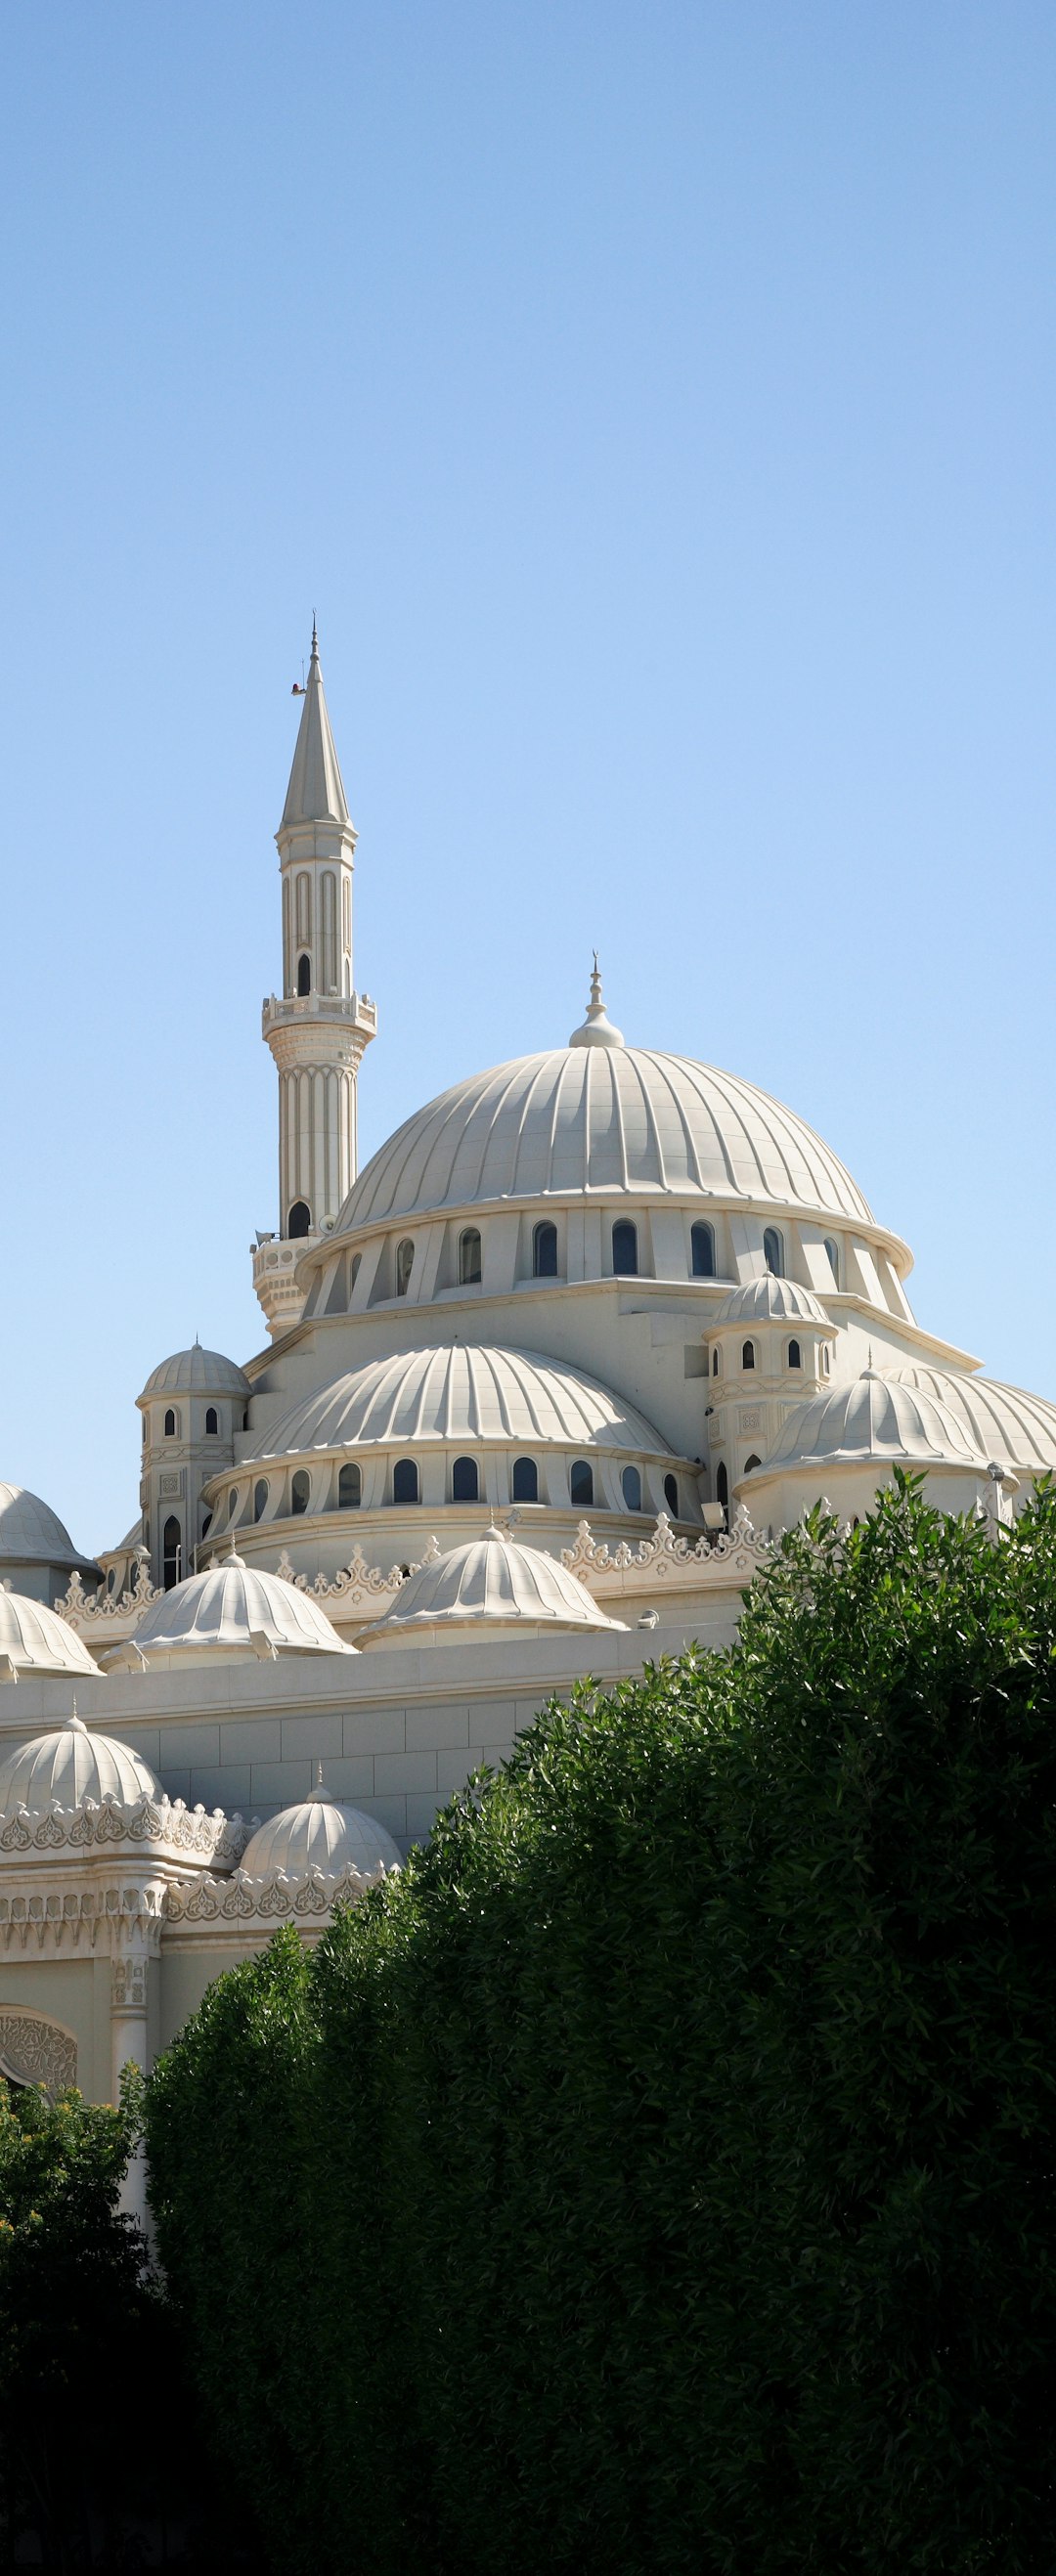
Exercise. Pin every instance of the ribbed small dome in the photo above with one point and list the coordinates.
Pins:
(464, 1392)
(30, 1529)
(227, 1607)
(875, 1418)
(71, 1764)
(1002, 1422)
(197, 1372)
(771, 1301)
(322, 1834)
(489, 1584)
(37, 1640)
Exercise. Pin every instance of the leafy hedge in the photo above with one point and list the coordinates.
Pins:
(659, 2173)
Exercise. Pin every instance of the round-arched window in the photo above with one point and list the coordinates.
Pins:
(671, 1495)
(404, 1265)
(212, 1422)
(405, 1481)
(465, 1481)
(350, 1488)
(232, 1502)
(469, 1257)
(171, 1552)
(581, 1484)
(544, 1251)
(300, 1490)
(260, 1500)
(170, 1424)
(525, 1480)
(748, 1356)
(625, 1248)
(299, 1222)
(703, 1243)
(632, 1489)
(774, 1252)
(794, 1356)
(304, 975)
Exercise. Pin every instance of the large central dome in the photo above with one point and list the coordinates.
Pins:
(600, 1118)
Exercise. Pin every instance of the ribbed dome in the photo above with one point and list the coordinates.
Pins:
(71, 1764)
(197, 1372)
(465, 1392)
(30, 1529)
(320, 1833)
(873, 1418)
(226, 1609)
(771, 1301)
(37, 1640)
(1002, 1422)
(492, 1583)
(600, 1118)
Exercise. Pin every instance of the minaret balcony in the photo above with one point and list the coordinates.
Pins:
(354, 1011)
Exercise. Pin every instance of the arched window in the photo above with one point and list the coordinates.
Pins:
(300, 1490)
(212, 1422)
(304, 975)
(111, 1578)
(632, 1489)
(703, 1242)
(299, 1222)
(170, 1424)
(525, 1480)
(794, 1358)
(404, 1265)
(465, 1482)
(207, 1523)
(826, 1361)
(405, 1481)
(349, 1489)
(581, 1484)
(260, 1500)
(671, 1495)
(833, 1251)
(171, 1552)
(232, 1503)
(748, 1356)
(469, 1258)
(354, 1268)
(722, 1486)
(750, 1463)
(716, 1362)
(625, 1248)
(774, 1252)
(544, 1251)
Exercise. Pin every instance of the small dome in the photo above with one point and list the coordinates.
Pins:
(491, 1583)
(196, 1372)
(464, 1392)
(232, 1609)
(37, 1640)
(1002, 1422)
(771, 1301)
(322, 1834)
(875, 1418)
(31, 1531)
(72, 1764)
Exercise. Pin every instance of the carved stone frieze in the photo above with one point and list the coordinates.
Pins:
(92, 1609)
(734, 1551)
(357, 1581)
(155, 1825)
(241, 1902)
(33, 2051)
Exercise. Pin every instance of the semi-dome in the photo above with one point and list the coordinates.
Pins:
(876, 1419)
(1002, 1422)
(196, 1372)
(31, 1533)
(231, 1609)
(465, 1391)
(490, 1584)
(606, 1118)
(70, 1764)
(33, 1639)
(770, 1301)
(320, 1833)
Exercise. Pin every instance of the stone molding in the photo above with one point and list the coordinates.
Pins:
(739, 1551)
(163, 1828)
(70, 1913)
(357, 1581)
(243, 1903)
(84, 1609)
(35, 2051)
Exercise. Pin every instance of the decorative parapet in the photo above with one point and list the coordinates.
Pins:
(248, 1904)
(158, 1828)
(93, 1609)
(70, 1913)
(682, 1563)
(358, 1585)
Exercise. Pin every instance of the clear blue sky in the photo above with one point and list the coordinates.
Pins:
(657, 404)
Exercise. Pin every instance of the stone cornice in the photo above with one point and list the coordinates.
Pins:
(157, 1829)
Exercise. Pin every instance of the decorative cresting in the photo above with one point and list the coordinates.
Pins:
(34, 1639)
(605, 1118)
(34, 2051)
(490, 1585)
(232, 1609)
(770, 1300)
(875, 1418)
(96, 1609)
(358, 1585)
(467, 1392)
(304, 1861)
(997, 1421)
(663, 1558)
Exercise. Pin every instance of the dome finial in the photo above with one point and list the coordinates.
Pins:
(597, 1029)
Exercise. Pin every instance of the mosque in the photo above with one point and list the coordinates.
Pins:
(540, 1386)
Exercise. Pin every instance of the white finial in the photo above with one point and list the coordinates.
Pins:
(597, 1029)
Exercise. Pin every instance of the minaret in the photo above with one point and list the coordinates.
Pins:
(318, 1031)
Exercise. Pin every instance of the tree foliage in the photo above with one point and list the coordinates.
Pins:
(659, 2172)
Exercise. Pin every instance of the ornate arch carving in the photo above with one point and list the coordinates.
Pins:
(34, 2051)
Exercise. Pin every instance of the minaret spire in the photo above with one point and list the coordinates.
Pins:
(318, 1029)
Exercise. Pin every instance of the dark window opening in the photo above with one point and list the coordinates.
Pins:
(212, 1422)
(304, 975)
(722, 1486)
(404, 1266)
(469, 1258)
(750, 1463)
(544, 1251)
(794, 1356)
(300, 1491)
(170, 1425)
(703, 1241)
(671, 1495)
(715, 1361)
(405, 1481)
(299, 1222)
(748, 1356)
(525, 1480)
(171, 1553)
(260, 1500)
(632, 1489)
(349, 1489)
(581, 1484)
(625, 1249)
(774, 1252)
(465, 1482)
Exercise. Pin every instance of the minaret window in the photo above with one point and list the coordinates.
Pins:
(299, 1222)
(774, 1252)
(625, 1249)
(833, 1251)
(465, 1482)
(171, 1552)
(404, 1266)
(671, 1495)
(304, 976)
(703, 1244)
(260, 1500)
(525, 1480)
(632, 1489)
(300, 1491)
(794, 1357)
(469, 1258)
(349, 1489)
(722, 1486)
(405, 1481)
(170, 1424)
(212, 1422)
(544, 1251)
(581, 1485)
(716, 1362)
(748, 1356)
